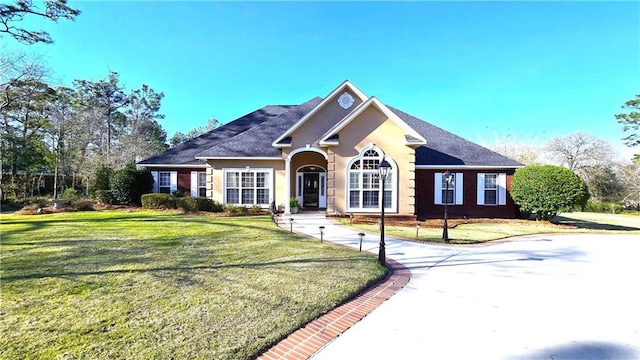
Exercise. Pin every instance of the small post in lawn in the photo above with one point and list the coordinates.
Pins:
(361, 236)
(291, 222)
(417, 230)
(321, 232)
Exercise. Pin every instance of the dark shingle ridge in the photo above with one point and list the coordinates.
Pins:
(445, 148)
(257, 141)
(185, 153)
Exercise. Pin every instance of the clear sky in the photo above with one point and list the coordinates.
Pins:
(528, 70)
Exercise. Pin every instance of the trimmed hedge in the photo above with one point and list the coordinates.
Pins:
(188, 203)
(158, 201)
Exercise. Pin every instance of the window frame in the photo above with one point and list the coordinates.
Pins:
(246, 184)
(439, 189)
(367, 184)
(160, 182)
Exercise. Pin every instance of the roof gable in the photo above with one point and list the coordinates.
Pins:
(345, 86)
(412, 136)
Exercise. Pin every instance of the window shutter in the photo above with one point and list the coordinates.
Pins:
(480, 189)
(155, 181)
(459, 188)
(502, 189)
(438, 189)
(194, 183)
(174, 181)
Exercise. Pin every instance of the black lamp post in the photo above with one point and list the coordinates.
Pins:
(383, 169)
(448, 178)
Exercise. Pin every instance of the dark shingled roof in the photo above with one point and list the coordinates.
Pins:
(444, 148)
(185, 153)
(253, 134)
(257, 141)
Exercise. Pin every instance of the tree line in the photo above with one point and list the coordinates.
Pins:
(69, 131)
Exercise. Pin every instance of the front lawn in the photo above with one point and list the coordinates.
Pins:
(473, 231)
(148, 285)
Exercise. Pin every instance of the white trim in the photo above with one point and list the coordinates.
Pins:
(346, 84)
(194, 183)
(502, 189)
(173, 186)
(238, 158)
(271, 186)
(474, 167)
(394, 184)
(459, 189)
(155, 181)
(480, 189)
(307, 148)
(385, 110)
(437, 192)
(170, 166)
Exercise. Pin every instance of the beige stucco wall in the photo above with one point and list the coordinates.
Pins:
(318, 124)
(372, 127)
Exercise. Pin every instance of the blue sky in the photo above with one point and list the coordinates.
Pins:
(483, 70)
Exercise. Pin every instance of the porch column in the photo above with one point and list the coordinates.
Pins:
(287, 187)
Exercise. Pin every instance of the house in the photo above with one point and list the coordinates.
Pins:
(326, 151)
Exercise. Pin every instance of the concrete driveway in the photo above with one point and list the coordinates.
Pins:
(540, 297)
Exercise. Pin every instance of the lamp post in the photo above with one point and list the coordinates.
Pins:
(417, 230)
(321, 232)
(448, 177)
(383, 170)
(291, 221)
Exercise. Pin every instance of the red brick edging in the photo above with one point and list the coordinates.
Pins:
(306, 341)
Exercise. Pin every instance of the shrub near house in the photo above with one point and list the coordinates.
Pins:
(548, 189)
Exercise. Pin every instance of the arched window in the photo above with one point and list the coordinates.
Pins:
(363, 186)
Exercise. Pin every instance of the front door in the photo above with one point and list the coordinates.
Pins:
(310, 190)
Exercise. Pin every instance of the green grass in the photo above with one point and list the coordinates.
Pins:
(144, 285)
(474, 233)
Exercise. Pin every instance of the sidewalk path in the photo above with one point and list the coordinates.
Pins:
(539, 297)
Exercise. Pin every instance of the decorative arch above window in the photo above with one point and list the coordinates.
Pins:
(363, 186)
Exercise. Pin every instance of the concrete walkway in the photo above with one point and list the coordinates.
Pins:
(539, 297)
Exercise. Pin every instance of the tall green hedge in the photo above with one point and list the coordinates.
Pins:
(548, 189)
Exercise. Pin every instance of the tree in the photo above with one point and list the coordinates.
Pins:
(13, 13)
(630, 179)
(179, 138)
(604, 185)
(109, 96)
(631, 121)
(547, 190)
(143, 136)
(580, 152)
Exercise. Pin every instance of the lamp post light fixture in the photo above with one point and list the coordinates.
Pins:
(417, 230)
(383, 170)
(361, 236)
(291, 222)
(448, 178)
(321, 232)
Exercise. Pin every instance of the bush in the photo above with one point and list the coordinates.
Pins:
(103, 178)
(104, 197)
(70, 194)
(128, 185)
(547, 189)
(82, 205)
(603, 207)
(158, 201)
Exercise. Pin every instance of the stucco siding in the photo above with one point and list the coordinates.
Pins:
(320, 122)
(373, 127)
